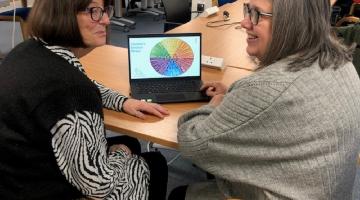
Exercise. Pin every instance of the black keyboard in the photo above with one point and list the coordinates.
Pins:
(170, 86)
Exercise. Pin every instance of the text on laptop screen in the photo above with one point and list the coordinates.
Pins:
(164, 57)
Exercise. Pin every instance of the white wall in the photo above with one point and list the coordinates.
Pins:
(6, 36)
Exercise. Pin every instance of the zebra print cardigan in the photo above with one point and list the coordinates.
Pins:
(78, 138)
(124, 176)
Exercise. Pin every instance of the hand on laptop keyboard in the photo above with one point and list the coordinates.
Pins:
(214, 88)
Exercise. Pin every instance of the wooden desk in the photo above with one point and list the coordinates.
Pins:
(109, 65)
(224, 42)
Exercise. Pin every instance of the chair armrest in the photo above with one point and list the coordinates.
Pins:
(348, 20)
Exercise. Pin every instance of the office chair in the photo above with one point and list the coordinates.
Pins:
(347, 21)
(351, 34)
(222, 2)
(119, 20)
(132, 8)
(177, 12)
(335, 15)
(152, 5)
(345, 7)
(156, 147)
(355, 10)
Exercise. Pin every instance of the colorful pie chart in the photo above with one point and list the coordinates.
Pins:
(171, 57)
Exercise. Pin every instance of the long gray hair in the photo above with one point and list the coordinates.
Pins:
(301, 29)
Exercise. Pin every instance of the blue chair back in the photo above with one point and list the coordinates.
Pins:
(21, 12)
(222, 2)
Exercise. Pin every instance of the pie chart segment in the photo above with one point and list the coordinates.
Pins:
(171, 57)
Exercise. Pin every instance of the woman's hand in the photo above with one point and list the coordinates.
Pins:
(139, 108)
(214, 88)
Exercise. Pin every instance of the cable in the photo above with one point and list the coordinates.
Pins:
(13, 29)
(226, 18)
(173, 159)
(197, 12)
(213, 24)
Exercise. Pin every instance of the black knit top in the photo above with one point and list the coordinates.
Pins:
(52, 137)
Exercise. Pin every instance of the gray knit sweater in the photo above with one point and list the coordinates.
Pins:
(278, 135)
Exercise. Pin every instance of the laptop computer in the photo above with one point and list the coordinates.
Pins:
(165, 68)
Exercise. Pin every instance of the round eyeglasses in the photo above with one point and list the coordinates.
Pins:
(97, 13)
(254, 14)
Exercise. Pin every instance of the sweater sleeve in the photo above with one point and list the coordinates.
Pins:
(111, 99)
(282, 140)
(87, 165)
(209, 136)
(73, 116)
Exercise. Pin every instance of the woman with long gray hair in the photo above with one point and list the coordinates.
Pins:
(291, 129)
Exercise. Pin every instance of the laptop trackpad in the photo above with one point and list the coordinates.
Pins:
(169, 98)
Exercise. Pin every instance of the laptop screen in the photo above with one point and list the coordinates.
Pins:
(164, 55)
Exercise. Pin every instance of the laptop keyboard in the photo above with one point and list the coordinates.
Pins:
(169, 87)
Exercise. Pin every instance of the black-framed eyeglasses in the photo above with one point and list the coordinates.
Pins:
(97, 13)
(254, 14)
